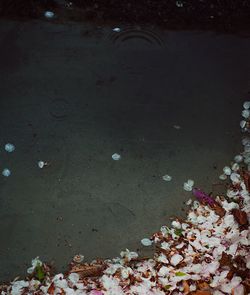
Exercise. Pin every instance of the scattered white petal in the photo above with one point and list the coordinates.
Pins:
(245, 141)
(229, 206)
(116, 157)
(60, 282)
(235, 177)
(111, 284)
(195, 268)
(179, 3)
(41, 164)
(34, 263)
(228, 287)
(243, 123)
(165, 230)
(184, 226)
(163, 272)
(229, 220)
(223, 177)
(192, 217)
(247, 150)
(188, 186)
(246, 105)
(232, 193)
(245, 114)
(162, 258)
(211, 267)
(227, 170)
(117, 30)
(192, 287)
(49, 14)
(190, 182)
(176, 259)
(238, 158)
(165, 246)
(9, 147)
(74, 278)
(146, 242)
(167, 177)
(125, 272)
(181, 245)
(128, 254)
(6, 172)
(17, 287)
(176, 224)
(235, 167)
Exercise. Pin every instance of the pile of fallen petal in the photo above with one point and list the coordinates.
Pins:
(208, 253)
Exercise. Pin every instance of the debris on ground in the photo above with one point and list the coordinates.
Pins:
(6, 172)
(167, 177)
(224, 16)
(42, 164)
(9, 147)
(117, 30)
(49, 14)
(206, 253)
(78, 258)
(146, 242)
(188, 186)
(116, 157)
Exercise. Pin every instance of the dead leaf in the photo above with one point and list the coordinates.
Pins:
(226, 260)
(51, 289)
(246, 178)
(219, 210)
(186, 287)
(88, 270)
(203, 286)
(240, 216)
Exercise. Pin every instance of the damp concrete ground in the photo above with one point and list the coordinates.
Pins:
(74, 94)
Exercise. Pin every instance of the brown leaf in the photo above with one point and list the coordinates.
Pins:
(88, 270)
(219, 210)
(51, 289)
(203, 286)
(246, 284)
(226, 260)
(246, 178)
(186, 287)
(240, 216)
(243, 273)
(240, 262)
(231, 274)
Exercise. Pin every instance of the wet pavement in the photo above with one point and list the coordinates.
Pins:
(224, 16)
(74, 94)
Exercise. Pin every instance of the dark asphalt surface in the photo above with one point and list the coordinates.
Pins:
(74, 94)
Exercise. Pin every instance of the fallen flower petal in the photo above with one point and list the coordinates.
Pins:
(176, 259)
(240, 216)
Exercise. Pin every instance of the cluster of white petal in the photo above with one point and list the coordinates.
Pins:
(209, 252)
